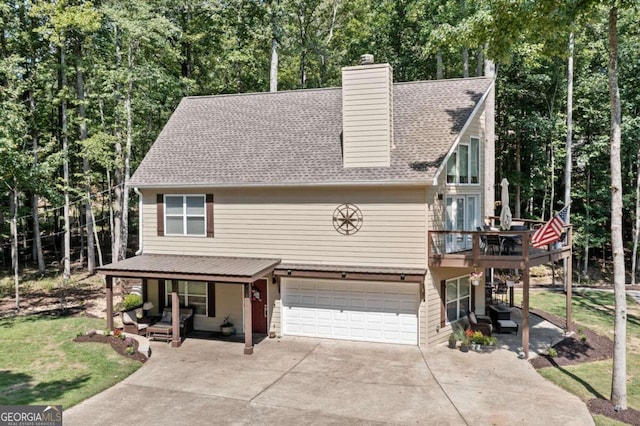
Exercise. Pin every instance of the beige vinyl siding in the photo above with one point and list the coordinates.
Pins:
(435, 333)
(367, 104)
(229, 301)
(296, 225)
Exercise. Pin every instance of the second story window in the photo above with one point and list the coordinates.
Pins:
(463, 166)
(185, 215)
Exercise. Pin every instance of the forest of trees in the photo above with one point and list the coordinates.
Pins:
(85, 87)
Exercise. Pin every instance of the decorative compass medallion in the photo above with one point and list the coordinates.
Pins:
(347, 219)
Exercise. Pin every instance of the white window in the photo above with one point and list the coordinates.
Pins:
(457, 298)
(185, 215)
(463, 166)
(462, 214)
(192, 294)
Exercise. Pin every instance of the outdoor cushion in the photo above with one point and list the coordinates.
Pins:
(166, 317)
(472, 317)
(129, 317)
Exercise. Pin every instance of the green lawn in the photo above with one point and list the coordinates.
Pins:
(593, 310)
(590, 308)
(40, 363)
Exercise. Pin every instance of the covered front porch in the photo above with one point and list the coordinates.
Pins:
(168, 271)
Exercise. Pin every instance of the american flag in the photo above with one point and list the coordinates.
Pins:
(551, 231)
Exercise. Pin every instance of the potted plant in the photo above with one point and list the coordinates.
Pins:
(456, 335)
(226, 328)
(466, 340)
(475, 277)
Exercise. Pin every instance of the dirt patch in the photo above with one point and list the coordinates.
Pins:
(584, 346)
(604, 407)
(119, 345)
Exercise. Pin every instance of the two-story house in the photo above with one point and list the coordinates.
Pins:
(306, 213)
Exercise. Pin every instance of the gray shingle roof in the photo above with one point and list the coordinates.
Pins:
(294, 137)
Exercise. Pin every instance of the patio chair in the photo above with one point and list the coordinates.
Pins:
(501, 290)
(480, 323)
(493, 244)
(186, 320)
(131, 324)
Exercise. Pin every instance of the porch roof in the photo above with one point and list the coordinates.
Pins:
(200, 268)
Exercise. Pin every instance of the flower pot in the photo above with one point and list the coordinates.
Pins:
(511, 283)
(227, 330)
(464, 348)
(475, 281)
(452, 343)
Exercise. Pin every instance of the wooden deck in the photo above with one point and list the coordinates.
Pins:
(492, 249)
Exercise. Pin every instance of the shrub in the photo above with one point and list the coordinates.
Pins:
(552, 352)
(130, 350)
(107, 332)
(131, 301)
(479, 338)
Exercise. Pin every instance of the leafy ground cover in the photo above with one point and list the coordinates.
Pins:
(41, 364)
(583, 362)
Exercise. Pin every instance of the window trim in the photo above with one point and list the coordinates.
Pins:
(458, 280)
(455, 155)
(184, 215)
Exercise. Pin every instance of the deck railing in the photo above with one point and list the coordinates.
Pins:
(493, 248)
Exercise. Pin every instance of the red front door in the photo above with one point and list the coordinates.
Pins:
(259, 306)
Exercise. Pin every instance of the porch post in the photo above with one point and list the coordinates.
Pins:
(175, 315)
(568, 272)
(248, 324)
(109, 282)
(525, 301)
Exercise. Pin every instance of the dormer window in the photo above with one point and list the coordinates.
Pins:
(463, 166)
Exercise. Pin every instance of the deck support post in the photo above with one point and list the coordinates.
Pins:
(248, 324)
(176, 341)
(525, 299)
(109, 285)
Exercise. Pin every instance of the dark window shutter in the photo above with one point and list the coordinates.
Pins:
(473, 297)
(211, 299)
(161, 294)
(160, 214)
(443, 303)
(209, 212)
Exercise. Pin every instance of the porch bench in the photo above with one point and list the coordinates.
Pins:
(506, 326)
(186, 320)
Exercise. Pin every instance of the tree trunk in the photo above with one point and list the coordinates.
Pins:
(619, 384)
(273, 71)
(91, 250)
(127, 153)
(636, 226)
(587, 225)
(517, 198)
(439, 72)
(568, 160)
(35, 200)
(13, 207)
(118, 190)
(479, 64)
(465, 62)
(65, 151)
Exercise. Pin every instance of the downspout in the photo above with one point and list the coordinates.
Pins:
(140, 241)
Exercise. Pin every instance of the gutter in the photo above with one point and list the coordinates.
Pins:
(140, 241)
(399, 183)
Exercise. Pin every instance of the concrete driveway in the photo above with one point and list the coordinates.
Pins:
(311, 381)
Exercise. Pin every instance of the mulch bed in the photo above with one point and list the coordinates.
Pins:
(574, 350)
(119, 345)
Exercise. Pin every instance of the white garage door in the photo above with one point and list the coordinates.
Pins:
(351, 310)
